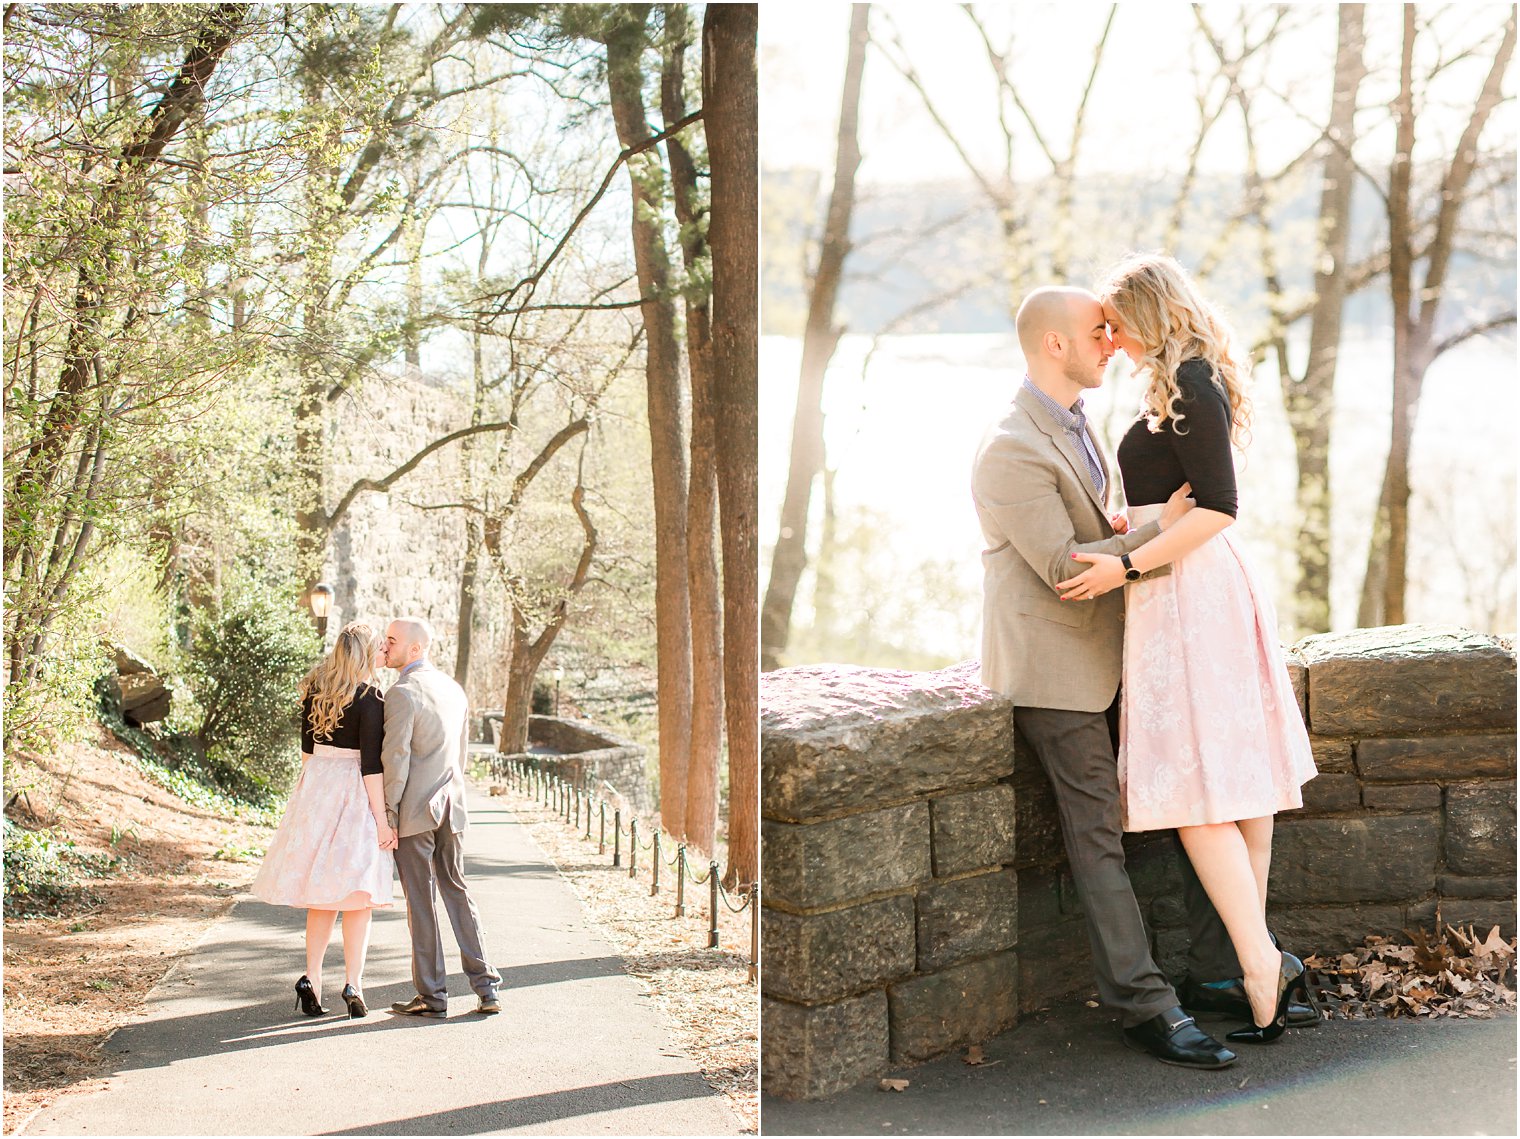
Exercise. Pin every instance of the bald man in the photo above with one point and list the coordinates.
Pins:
(1041, 485)
(426, 742)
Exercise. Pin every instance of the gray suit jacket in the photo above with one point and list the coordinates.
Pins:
(426, 741)
(1037, 506)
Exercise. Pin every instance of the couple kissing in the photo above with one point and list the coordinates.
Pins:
(381, 790)
(1141, 651)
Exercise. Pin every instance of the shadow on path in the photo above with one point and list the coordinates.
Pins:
(533, 1111)
(222, 1051)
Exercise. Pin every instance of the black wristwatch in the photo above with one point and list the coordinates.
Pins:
(1130, 572)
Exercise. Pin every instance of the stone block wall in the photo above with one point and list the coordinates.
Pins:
(917, 897)
(389, 557)
(589, 756)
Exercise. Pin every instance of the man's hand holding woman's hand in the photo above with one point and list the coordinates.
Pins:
(387, 835)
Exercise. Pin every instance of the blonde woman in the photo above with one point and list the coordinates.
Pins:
(332, 851)
(1211, 742)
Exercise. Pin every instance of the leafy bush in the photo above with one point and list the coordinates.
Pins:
(43, 871)
(177, 763)
(52, 704)
(244, 664)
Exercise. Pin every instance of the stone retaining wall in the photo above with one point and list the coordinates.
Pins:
(917, 897)
(589, 756)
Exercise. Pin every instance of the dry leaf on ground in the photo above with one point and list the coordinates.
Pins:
(893, 1085)
(1455, 973)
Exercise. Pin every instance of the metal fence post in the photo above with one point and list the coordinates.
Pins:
(601, 842)
(712, 903)
(617, 836)
(654, 887)
(588, 816)
(681, 881)
(577, 808)
(754, 932)
(633, 846)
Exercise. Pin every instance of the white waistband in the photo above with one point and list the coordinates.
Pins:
(335, 752)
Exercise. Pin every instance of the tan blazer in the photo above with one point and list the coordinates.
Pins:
(1037, 506)
(426, 740)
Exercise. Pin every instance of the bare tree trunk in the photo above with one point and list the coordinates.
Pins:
(320, 191)
(819, 340)
(731, 106)
(517, 703)
(666, 436)
(1310, 402)
(1415, 309)
(700, 825)
(469, 583)
(528, 654)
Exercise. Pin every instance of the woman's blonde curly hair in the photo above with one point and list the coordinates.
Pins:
(1159, 306)
(336, 677)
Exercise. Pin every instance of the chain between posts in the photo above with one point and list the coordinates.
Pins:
(554, 792)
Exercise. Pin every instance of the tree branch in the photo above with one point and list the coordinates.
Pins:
(1468, 333)
(531, 281)
(331, 519)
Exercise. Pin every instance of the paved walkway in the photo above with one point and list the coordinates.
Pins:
(577, 1048)
(1066, 1072)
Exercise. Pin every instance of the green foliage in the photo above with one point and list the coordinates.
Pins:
(244, 664)
(55, 703)
(44, 871)
(177, 763)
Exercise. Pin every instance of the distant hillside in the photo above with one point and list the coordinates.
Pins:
(917, 243)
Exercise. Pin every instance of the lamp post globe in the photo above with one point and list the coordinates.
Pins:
(321, 606)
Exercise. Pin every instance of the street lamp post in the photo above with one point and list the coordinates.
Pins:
(321, 606)
(559, 675)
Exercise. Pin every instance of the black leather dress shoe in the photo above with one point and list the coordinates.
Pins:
(1173, 1038)
(418, 1007)
(1231, 1001)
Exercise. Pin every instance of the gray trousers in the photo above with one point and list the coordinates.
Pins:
(1076, 750)
(432, 863)
(1211, 953)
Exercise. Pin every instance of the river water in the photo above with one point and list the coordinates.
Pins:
(903, 421)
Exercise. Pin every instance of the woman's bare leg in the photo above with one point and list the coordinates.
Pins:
(1258, 836)
(356, 926)
(319, 927)
(1223, 862)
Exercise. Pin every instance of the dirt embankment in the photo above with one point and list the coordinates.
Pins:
(71, 979)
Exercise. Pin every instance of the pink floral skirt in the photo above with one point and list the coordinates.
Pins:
(1209, 727)
(325, 855)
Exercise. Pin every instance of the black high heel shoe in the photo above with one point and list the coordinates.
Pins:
(354, 1002)
(306, 998)
(1290, 983)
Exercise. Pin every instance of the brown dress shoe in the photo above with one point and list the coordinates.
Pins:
(418, 1007)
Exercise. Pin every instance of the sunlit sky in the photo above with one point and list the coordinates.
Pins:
(1142, 114)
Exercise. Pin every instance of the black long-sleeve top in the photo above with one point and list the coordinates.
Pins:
(1154, 464)
(361, 725)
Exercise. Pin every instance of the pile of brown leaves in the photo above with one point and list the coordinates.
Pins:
(1437, 974)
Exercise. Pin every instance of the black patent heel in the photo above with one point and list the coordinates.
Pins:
(1290, 983)
(306, 998)
(355, 1003)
